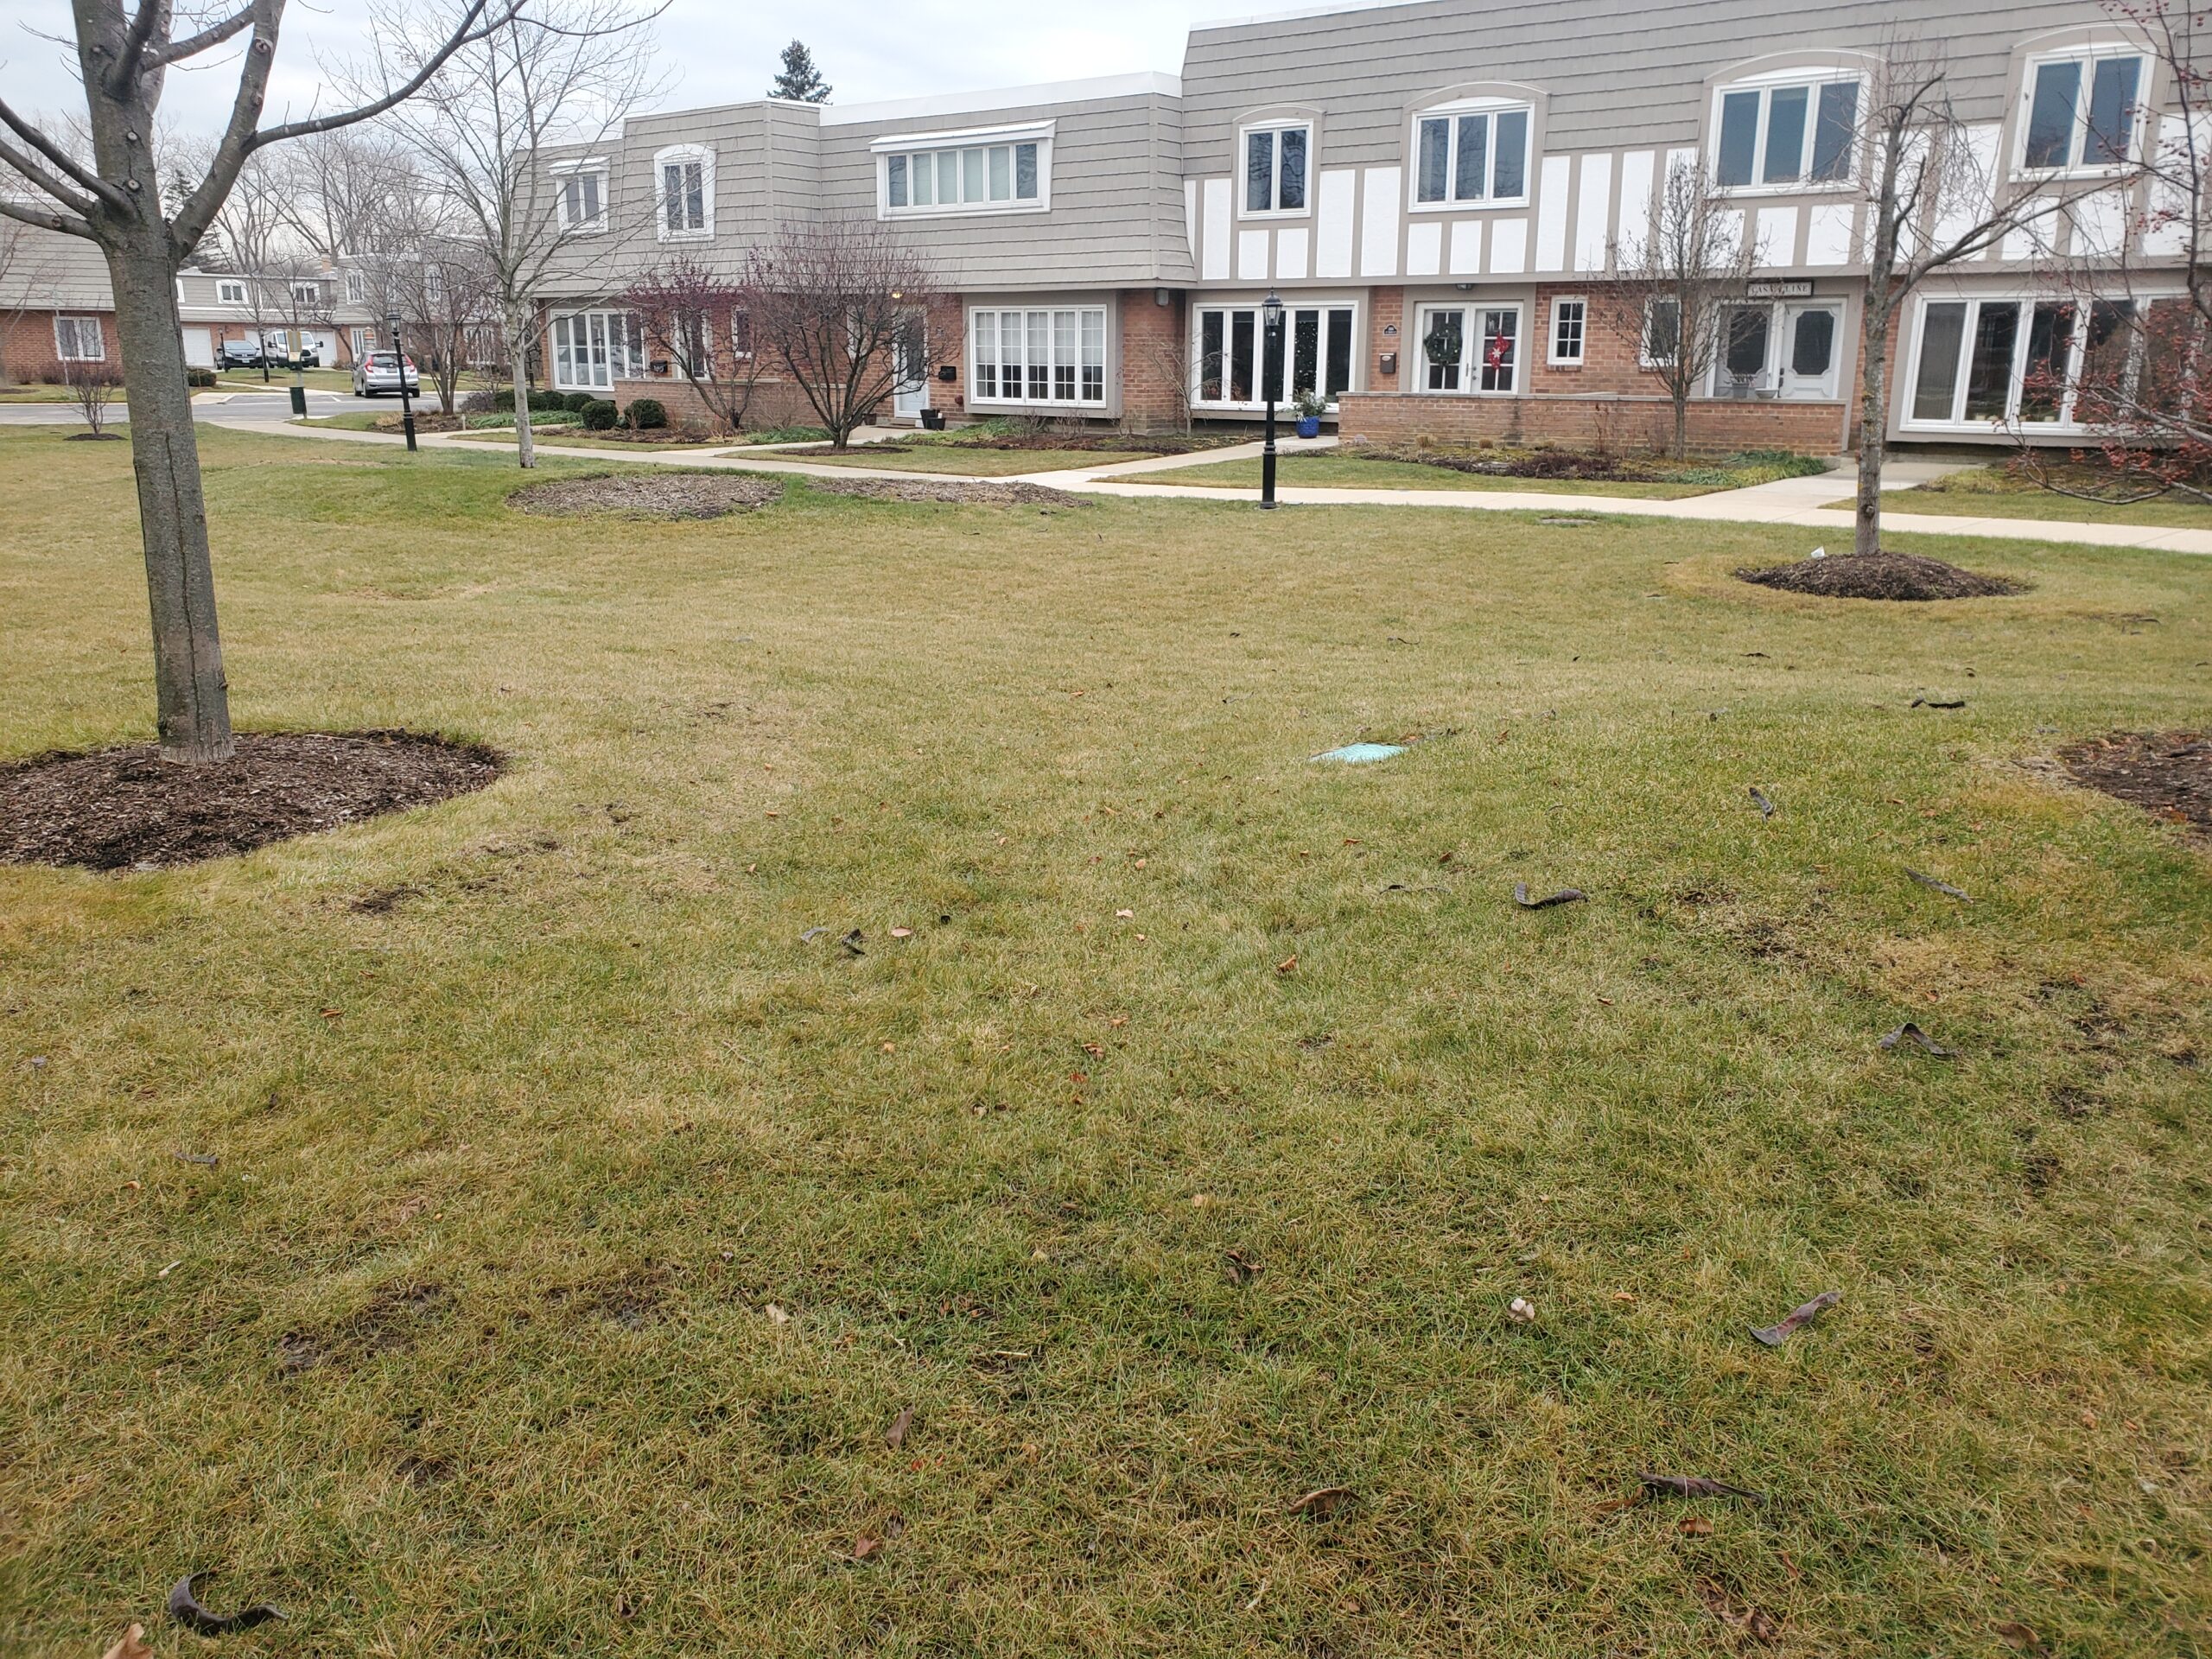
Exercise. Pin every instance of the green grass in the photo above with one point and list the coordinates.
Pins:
(41, 395)
(574, 437)
(1323, 470)
(281, 379)
(1999, 493)
(966, 460)
(530, 1105)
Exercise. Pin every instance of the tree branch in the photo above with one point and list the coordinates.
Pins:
(46, 219)
(466, 35)
(206, 39)
(61, 158)
(125, 67)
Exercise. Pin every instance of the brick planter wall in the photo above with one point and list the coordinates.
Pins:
(1626, 422)
(775, 403)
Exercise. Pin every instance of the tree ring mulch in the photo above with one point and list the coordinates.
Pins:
(2169, 773)
(1880, 576)
(945, 490)
(655, 495)
(124, 809)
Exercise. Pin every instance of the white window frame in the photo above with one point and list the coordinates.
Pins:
(2016, 375)
(617, 333)
(1323, 303)
(702, 156)
(1242, 184)
(906, 148)
(71, 353)
(563, 173)
(2088, 56)
(1493, 107)
(1552, 353)
(1812, 78)
(230, 293)
(1471, 364)
(986, 356)
(356, 289)
(306, 293)
(363, 342)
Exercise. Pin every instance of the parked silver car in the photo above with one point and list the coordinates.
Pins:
(380, 372)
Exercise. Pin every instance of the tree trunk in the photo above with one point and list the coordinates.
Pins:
(1682, 425)
(1874, 421)
(192, 697)
(518, 377)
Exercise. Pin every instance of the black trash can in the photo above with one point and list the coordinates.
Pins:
(933, 420)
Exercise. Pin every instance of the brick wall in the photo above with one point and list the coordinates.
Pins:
(1155, 352)
(1624, 422)
(775, 403)
(1386, 309)
(27, 343)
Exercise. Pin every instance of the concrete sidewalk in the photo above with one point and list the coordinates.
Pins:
(1795, 501)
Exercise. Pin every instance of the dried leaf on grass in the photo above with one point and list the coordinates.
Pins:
(2013, 1634)
(1759, 800)
(1931, 702)
(1324, 1502)
(1694, 1486)
(1908, 1033)
(1751, 1621)
(1944, 887)
(896, 1436)
(1694, 1526)
(1564, 896)
(131, 1644)
(1775, 1335)
(185, 1608)
(1240, 1268)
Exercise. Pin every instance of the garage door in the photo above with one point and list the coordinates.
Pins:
(199, 348)
(322, 342)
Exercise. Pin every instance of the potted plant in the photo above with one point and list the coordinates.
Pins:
(1311, 406)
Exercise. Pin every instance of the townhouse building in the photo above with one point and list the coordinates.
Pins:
(1439, 192)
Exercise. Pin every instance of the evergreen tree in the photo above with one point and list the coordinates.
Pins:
(800, 79)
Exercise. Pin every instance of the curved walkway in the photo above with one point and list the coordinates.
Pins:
(1798, 501)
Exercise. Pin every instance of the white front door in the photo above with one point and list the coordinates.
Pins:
(910, 357)
(1812, 351)
(199, 348)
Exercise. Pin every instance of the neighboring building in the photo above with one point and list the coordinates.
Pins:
(1437, 191)
(56, 305)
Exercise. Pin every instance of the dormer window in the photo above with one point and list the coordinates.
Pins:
(1001, 170)
(356, 289)
(1472, 154)
(2080, 113)
(1793, 131)
(306, 293)
(581, 196)
(685, 173)
(1276, 158)
(230, 293)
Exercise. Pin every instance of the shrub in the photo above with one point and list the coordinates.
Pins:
(483, 403)
(648, 414)
(502, 402)
(600, 415)
(195, 376)
(577, 402)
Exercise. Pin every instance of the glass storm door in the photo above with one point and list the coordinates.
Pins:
(1811, 341)
(910, 395)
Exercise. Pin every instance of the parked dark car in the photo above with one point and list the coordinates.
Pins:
(242, 354)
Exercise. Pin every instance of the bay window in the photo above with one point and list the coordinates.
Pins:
(1050, 355)
(594, 349)
(1275, 162)
(1797, 131)
(2080, 111)
(1236, 370)
(1479, 155)
(2006, 360)
(1470, 348)
(1006, 171)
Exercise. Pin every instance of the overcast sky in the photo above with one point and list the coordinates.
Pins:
(714, 51)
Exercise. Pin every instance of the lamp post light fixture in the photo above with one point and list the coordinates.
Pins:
(400, 362)
(1271, 371)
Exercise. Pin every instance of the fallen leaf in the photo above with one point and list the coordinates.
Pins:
(185, 1608)
(1241, 1269)
(1323, 1503)
(1094, 1050)
(1930, 702)
(865, 1547)
(1775, 1335)
(1615, 1505)
(130, 1645)
(2013, 1634)
(1945, 887)
(1520, 1311)
(1564, 896)
(1125, 915)
(776, 1315)
(852, 943)
(328, 1013)
(1912, 1033)
(1694, 1526)
(204, 1159)
(896, 1436)
(902, 932)
(1624, 1296)
(1694, 1486)
(171, 1269)
(1765, 805)
(1288, 965)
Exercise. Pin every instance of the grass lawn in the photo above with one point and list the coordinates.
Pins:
(1323, 470)
(42, 395)
(281, 380)
(966, 460)
(574, 437)
(581, 1224)
(1997, 492)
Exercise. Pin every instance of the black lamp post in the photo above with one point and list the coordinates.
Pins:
(399, 361)
(1270, 370)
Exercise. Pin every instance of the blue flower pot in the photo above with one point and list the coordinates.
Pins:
(1309, 426)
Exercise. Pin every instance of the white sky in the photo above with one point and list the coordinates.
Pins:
(714, 51)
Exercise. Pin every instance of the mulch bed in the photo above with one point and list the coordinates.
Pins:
(2170, 773)
(1880, 576)
(127, 808)
(925, 489)
(659, 495)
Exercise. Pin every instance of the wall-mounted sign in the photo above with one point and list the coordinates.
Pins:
(1789, 288)
(1390, 330)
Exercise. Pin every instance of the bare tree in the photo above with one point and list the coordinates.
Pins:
(839, 306)
(1671, 282)
(342, 189)
(444, 294)
(91, 383)
(500, 130)
(115, 201)
(1933, 200)
(699, 321)
(27, 279)
(250, 235)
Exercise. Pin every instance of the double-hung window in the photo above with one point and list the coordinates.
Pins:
(1236, 370)
(1474, 155)
(684, 180)
(357, 288)
(1053, 355)
(581, 196)
(230, 293)
(78, 339)
(1470, 348)
(1570, 322)
(594, 349)
(1276, 162)
(1002, 172)
(306, 293)
(2082, 110)
(1796, 132)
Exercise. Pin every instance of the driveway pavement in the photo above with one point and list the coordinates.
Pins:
(254, 408)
